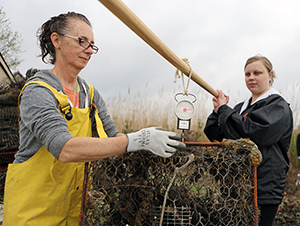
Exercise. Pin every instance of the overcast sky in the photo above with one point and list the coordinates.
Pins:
(216, 36)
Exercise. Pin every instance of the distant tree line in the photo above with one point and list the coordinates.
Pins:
(10, 42)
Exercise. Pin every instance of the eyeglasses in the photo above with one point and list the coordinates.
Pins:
(84, 43)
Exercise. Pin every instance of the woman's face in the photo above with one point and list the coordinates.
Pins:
(72, 53)
(257, 78)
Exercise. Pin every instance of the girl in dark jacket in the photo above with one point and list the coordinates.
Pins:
(267, 120)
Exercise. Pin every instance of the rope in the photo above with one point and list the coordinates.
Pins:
(177, 75)
(256, 158)
(177, 169)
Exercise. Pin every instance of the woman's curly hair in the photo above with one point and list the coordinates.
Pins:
(60, 25)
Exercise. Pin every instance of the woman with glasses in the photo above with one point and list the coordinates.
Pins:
(267, 120)
(63, 124)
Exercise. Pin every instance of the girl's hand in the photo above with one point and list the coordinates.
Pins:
(220, 100)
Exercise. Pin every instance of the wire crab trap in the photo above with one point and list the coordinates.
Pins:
(206, 184)
(10, 87)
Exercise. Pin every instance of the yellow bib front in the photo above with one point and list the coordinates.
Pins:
(43, 191)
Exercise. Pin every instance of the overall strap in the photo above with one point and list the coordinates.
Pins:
(99, 124)
(62, 98)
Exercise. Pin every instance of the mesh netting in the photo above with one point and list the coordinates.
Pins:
(9, 127)
(207, 184)
(9, 133)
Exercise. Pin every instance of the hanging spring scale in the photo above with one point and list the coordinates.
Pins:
(185, 108)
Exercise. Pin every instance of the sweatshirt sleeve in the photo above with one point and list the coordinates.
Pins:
(41, 117)
(212, 129)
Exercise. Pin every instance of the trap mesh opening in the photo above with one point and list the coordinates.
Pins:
(215, 187)
(172, 215)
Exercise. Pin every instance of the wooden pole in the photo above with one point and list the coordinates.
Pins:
(118, 8)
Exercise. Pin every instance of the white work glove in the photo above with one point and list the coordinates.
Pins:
(154, 139)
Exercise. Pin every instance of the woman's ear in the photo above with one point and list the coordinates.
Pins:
(271, 73)
(55, 39)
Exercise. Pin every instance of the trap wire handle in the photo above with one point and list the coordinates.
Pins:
(119, 9)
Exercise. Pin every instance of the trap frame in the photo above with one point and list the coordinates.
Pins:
(206, 184)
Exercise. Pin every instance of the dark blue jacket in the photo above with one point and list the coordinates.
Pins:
(268, 123)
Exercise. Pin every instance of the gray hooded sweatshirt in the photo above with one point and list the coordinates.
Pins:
(41, 120)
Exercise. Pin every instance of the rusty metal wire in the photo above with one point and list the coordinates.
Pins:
(216, 188)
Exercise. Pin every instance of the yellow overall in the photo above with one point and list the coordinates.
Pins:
(43, 191)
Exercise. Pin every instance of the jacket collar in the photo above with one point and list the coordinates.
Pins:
(270, 92)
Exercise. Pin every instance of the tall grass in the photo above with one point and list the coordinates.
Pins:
(143, 110)
(155, 110)
(292, 94)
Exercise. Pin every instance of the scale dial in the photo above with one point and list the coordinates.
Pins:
(185, 109)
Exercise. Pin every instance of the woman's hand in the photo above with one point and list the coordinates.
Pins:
(220, 100)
